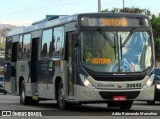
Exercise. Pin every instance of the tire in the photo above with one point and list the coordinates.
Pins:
(23, 98)
(62, 104)
(151, 102)
(34, 102)
(125, 104)
(113, 104)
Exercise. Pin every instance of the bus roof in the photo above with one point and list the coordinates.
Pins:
(66, 19)
(45, 24)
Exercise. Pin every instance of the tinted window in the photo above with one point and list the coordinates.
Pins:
(58, 41)
(20, 47)
(46, 43)
(8, 49)
(26, 46)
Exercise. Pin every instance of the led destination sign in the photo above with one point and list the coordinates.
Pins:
(113, 22)
(100, 61)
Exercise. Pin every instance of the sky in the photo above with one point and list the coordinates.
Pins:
(25, 12)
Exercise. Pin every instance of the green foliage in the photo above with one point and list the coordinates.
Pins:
(156, 35)
(132, 10)
(157, 49)
(129, 10)
(156, 26)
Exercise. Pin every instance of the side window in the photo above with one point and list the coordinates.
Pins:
(20, 47)
(26, 46)
(8, 49)
(46, 43)
(58, 41)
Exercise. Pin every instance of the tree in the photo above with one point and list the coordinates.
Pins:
(129, 10)
(156, 35)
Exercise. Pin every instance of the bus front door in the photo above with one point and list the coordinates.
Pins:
(70, 56)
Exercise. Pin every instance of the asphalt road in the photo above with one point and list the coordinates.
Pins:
(49, 110)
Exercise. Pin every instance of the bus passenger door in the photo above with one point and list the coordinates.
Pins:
(70, 63)
(13, 68)
(34, 67)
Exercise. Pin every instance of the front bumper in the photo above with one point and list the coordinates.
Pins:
(83, 94)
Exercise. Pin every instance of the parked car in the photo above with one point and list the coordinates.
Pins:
(2, 90)
(157, 88)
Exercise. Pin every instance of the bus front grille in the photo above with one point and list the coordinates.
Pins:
(110, 95)
(117, 78)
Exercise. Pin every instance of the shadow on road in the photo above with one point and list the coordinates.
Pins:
(157, 103)
(90, 110)
(83, 110)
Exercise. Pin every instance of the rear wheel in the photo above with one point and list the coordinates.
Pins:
(23, 98)
(61, 97)
(125, 104)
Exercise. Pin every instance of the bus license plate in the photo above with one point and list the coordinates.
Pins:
(119, 98)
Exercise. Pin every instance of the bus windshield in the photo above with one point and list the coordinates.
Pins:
(116, 51)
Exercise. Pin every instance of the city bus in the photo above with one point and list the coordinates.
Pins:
(82, 58)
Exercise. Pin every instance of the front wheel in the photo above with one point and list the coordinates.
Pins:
(151, 102)
(61, 97)
(125, 104)
(112, 104)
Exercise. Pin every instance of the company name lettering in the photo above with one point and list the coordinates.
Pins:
(114, 22)
(105, 85)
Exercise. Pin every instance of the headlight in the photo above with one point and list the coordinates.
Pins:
(149, 82)
(158, 86)
(86, 82)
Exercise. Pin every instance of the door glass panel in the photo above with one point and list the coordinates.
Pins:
(70, 62)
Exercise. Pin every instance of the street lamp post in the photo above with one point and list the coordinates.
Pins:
(123, 4)
(99, 5)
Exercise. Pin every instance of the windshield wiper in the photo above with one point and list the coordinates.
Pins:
(128, 37)
(121, 45)
(115, 46)
(105, 36)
